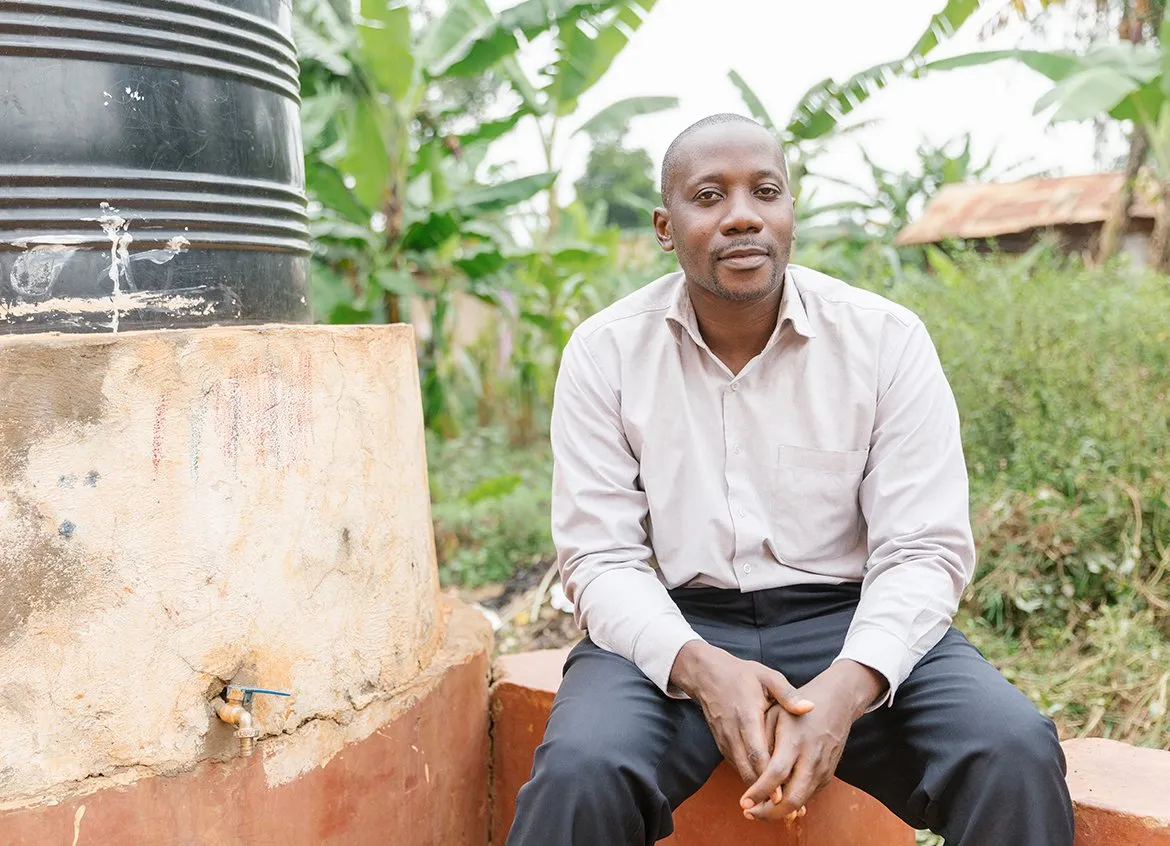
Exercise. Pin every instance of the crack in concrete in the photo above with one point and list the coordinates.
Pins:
(340, 393)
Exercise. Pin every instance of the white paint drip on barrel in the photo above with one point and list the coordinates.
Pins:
(183, 301)
(117, 228)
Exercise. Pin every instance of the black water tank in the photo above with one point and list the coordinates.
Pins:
(151, 173)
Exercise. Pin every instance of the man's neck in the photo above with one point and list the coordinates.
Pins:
(735, 331)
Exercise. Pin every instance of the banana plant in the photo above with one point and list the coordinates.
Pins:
(1124, 81)
(820, 113)
(397, 212)
(384, 202)
(587, 38)
(366, 78)
(546, 291)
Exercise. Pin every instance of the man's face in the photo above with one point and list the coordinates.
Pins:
(729, 214)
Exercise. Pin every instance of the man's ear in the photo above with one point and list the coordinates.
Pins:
(662, 229)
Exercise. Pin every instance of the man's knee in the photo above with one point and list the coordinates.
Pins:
(1020, 748)
(588, 792)
(571, 761)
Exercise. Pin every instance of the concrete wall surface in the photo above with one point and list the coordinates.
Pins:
(183, 509)
(409, 770)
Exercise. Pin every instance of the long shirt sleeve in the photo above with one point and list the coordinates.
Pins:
(914, 500)
(599, 515)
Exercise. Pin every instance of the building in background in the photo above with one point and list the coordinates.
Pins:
(1014, 215)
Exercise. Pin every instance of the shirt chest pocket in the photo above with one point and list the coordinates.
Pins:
(815, 512)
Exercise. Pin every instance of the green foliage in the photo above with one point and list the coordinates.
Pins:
(1063, 379)
(899, 194)
(542, 295)
(853, 239)
(615, 119)
(619, 181)
(824, 107)
(1106, 678)
(392, 192)
(490, 505)
(395, 133)
(1118, 79)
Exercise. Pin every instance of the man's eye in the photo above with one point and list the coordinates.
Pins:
(707, 195)
(768, 190)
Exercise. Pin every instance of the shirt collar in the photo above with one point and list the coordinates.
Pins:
(681, 317)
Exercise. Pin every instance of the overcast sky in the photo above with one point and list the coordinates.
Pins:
(783, 47)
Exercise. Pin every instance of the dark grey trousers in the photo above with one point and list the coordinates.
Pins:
(961, 751)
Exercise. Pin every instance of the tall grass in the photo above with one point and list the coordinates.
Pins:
(1062, 376)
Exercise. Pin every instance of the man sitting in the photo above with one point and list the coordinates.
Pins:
(760, 510)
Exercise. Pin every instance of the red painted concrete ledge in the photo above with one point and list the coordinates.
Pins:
(1121, 793)
(521, 699)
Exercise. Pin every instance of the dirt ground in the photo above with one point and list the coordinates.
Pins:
(523, 609)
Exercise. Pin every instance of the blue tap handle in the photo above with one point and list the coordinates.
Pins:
(247, 692)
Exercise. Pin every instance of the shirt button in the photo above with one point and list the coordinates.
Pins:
(735, 386)
(747, 569)
(742, 513)
(738, 449)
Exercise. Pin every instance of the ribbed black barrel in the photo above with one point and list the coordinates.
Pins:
(151, 172)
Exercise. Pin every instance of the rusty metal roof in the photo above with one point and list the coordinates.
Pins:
(988, 210)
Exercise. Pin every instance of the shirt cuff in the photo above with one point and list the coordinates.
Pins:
(658, 646)
(882, 652)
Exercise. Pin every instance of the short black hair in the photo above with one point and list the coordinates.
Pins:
(670, 160)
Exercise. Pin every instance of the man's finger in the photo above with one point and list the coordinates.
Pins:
(753, 729)
(741, 759)
(776, 773)
(771, 720)
(799, 788)
(767, 811)
(740, 754)
(785, 694)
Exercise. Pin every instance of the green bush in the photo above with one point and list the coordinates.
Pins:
(490, 505)
(1062, 376)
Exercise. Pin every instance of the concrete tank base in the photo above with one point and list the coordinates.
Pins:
(411, 770)
(182, 511)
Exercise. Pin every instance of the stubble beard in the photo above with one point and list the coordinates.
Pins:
(775, 279)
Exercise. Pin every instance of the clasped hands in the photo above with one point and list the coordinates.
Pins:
(784, 743)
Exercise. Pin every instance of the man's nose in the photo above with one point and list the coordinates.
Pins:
(741, 216)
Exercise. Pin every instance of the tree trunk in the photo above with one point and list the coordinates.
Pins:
(1159, 254)
(1133, 25)
(393, 306)
(395, 214)
(1118, 221)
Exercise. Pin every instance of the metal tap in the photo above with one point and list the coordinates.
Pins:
(231, 706)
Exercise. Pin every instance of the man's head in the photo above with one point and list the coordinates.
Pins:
(727, 209)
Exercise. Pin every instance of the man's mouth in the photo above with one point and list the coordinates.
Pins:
(744, 258)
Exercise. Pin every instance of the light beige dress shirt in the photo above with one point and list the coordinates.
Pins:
(833, 456)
